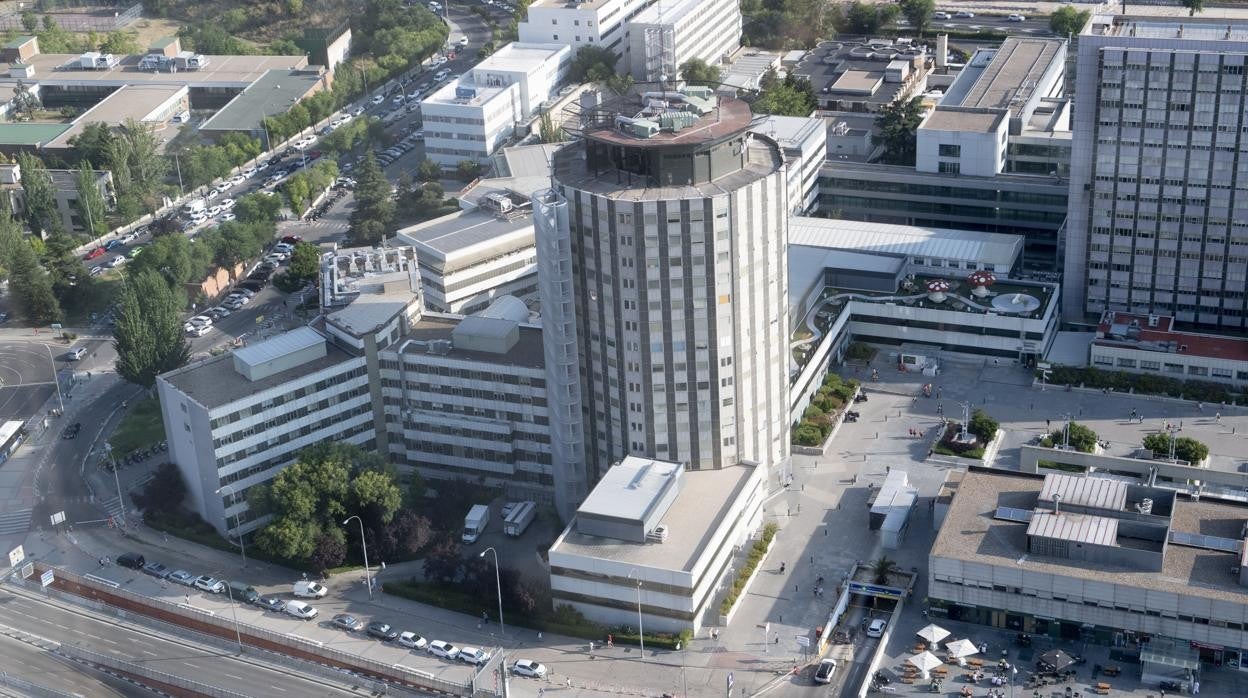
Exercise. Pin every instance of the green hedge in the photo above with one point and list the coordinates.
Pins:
(752, 561)
(1185, 448)
(820, 416)
(1141, 383)
(563, 621)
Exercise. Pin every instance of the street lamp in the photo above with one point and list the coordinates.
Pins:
(367, 577)
(56, 375)
(121, 501)
(234, 609)
(237, 524)
(641, 631)
(502, 627)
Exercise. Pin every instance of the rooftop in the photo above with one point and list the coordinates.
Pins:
(863, 82)
(573, 4)
(854, 71)
(964, 119)
(693, 518)
(129, 101)
(372, 310)
(665, 12)
(909, 240)
(970, 533)
(222, 71)
(466, 237)
(518, 56)
(449, 94)
(1189, 28)
(214, 383)
(1004, 77)
(30, 134)
(527, 352)
(282, 345)
(631, 488)
(791, 131)
(273, 93)
(714, 119)
(1139, 332)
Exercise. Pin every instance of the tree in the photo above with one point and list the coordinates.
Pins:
(897, 125)
(164, 492)
(375, 496)
(29, 284)
(305, 262)
(1082, 438)
(39, 199)
(121, 43)
(374, 210)
(696, 71)
(1193, 6)
(918, 13)
(72, 288)
(791, 97)
(864, 18)
(138, 165)
(257, 208)
(1185, 448)
(548, 132)
(406, 535)
(468, 170)
(983, 426)
(416, 490)
(883, 568)
(30, 22)
(330, 550)
(24, 101)
(430, 171)
(593, 64)
(92, 144)
(289, 538)
(444, 563)
(1068, 20)
(90, 204)
(148, 337)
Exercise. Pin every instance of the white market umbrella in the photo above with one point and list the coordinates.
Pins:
(925, 661)
(961, 649)
(933, 634)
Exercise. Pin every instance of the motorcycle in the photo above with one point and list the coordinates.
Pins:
(850, 419)
(861, 398)
(853, 414)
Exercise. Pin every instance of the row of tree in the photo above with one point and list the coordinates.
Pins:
(302, 188)
(204, 163)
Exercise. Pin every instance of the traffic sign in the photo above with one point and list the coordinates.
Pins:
(803, 641)
(28, 569)
(58, 517)
(16, 555)
(46, 578)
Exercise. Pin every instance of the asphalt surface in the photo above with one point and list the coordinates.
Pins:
(49, 670)
(27, 379)
(166, 654)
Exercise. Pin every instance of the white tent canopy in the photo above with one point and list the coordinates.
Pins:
(961, 648)
(933, 633)
(925, 662)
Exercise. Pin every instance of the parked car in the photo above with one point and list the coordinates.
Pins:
(300, 609)
(95, 254)
(964, 14)
(200, 320)
(445, 650)
(475, 656)
(529, 668)
(134, 561)
(382, 631)
(292, 239)
(182, 577)
(876, 628)
(377, 99)
(194, 331)
(136, 252)
(71, 432)
(348, 622)
(224, 187)
(227, 204)
(941, 15)
(250, 172)
(75, 354)
(271, 603)
(112, 245)
(1017, 18)
(96, 271)
(212, 585)
(252, 284)
(242, 592)
(412, 640)
(156, 570)
(131, 237)
(311, 590)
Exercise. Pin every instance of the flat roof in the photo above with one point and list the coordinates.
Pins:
(727, 116)
(1094, 492)
(971, 534)
(465, 237)
(372, 309)
(858, 81)
(446, 95)
(630, 488)
(692, 520)
(18, 42)
(283, 344)
(574, 4)
(527, 351)
(61, 69)
(1080, 528)
(665, 12)
(1011, 73)
(129, 101)
(19, 133)
(1134, 332)
(854, 70)
(529, 160)
(273, 93)
(964, 119)
(1192, 28)
(909, 240)
(214, 383)
(791, 131)
(519, 56)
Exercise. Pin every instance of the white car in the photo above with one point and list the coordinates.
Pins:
(227, 204)
(96, 271)
(335, 124)
(224, 187)
(215, 211)
(463, 41)
(250, 172)
(212, 195)
(357, 111)
(1016, 18)
(130, 237)
(475, 656)
(200, 320)
(963, 14)
(826, 670)
(941, 15)
(301, 610)
(182, 577)
(199, 331)
(876, 629)
(238, 179)
(412, 640)
(377, 99)
(117, 261)
(275, 257)
(211, 585)
(529, 668)
(228, 216)
(285, 247)
(445, 650)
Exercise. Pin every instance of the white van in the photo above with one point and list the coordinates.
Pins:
(309, 590)
(182, 117)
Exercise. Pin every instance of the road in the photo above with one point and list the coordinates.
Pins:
(181, 658)
(49, 670)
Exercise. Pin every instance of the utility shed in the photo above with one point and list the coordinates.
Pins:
(891, 507)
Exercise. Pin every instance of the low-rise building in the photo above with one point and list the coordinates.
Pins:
(666, 34)
(864, 76)
(600, 23)
(470, 117)
(652, 542)
(1092, 559)
(1150, 344)
(804, 142)
(64, 193)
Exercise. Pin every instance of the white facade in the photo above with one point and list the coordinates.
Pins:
(1148, 344)
(471, 117)
(228, 432)
(956, 140)
(600, 23)
(676, 580)
(666, 34)
(805, 145)
(1158, 218)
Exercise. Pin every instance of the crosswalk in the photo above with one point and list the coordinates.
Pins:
(12, 522)
(112, 506)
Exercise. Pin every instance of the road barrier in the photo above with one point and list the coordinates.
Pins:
(30, 689)
(340, 664)
(145, 674)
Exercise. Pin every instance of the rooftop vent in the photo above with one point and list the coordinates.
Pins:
(440, 347)
(659, 534)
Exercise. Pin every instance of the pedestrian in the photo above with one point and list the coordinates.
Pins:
(777, 638)
(911, 432)
(1048, 424)
(1217, 417)
(1200, 406)
(782, 566)
(591, 645)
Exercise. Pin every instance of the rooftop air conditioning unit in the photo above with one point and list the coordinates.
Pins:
(439, 347)
(659, 534)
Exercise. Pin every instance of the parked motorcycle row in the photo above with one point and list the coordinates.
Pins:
(136, 457)
(323, 208)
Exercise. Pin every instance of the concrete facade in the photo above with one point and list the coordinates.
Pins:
(666, 34)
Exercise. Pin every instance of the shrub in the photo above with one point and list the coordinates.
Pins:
(983, 426)
(1185, 448)
(752, 560)
(1143, 384)
(949, 446)
(807, 435)
(859, 351)
(1082, 438)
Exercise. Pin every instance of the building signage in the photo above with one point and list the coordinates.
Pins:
(876, 590)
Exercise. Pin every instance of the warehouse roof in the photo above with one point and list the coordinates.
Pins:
(995, 249)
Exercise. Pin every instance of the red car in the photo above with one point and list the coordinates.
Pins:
(97, 252)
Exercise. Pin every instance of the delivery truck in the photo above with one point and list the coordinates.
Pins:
(475, 522)
(520, 518)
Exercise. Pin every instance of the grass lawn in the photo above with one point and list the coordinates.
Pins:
(141, 427)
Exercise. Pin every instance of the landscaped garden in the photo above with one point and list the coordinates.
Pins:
(982, 429)
(820, 417)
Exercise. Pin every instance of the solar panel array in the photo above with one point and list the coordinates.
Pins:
(1012, 514)
(1196, 540)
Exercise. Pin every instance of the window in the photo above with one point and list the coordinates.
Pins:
(554, 21)
(950, 151)
(950, 168)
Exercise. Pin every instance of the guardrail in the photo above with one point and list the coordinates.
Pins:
(30, 689)
(145, 672)
(136, 606)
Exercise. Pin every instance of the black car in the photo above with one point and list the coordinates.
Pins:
(72, 430)
(382, 631)
(252, 285)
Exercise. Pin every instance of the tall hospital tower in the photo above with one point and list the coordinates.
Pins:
(662, 266)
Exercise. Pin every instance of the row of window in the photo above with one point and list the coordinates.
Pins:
(1145, 365)
(277, 420)
(262, 407)
(288, 457)
(287, 437)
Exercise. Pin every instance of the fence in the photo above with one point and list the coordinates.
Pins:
(85, 19)
(145, 674)
(30, 689)
(339, 664)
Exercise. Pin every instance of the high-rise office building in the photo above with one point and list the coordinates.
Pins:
(1156, 220)
(662, 262)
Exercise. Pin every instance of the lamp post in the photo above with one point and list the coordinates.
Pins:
(641, 631)
(241, 545)
(121, 501)
(498, 581)
(56, 375)
(368, 579)
(234, 609)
